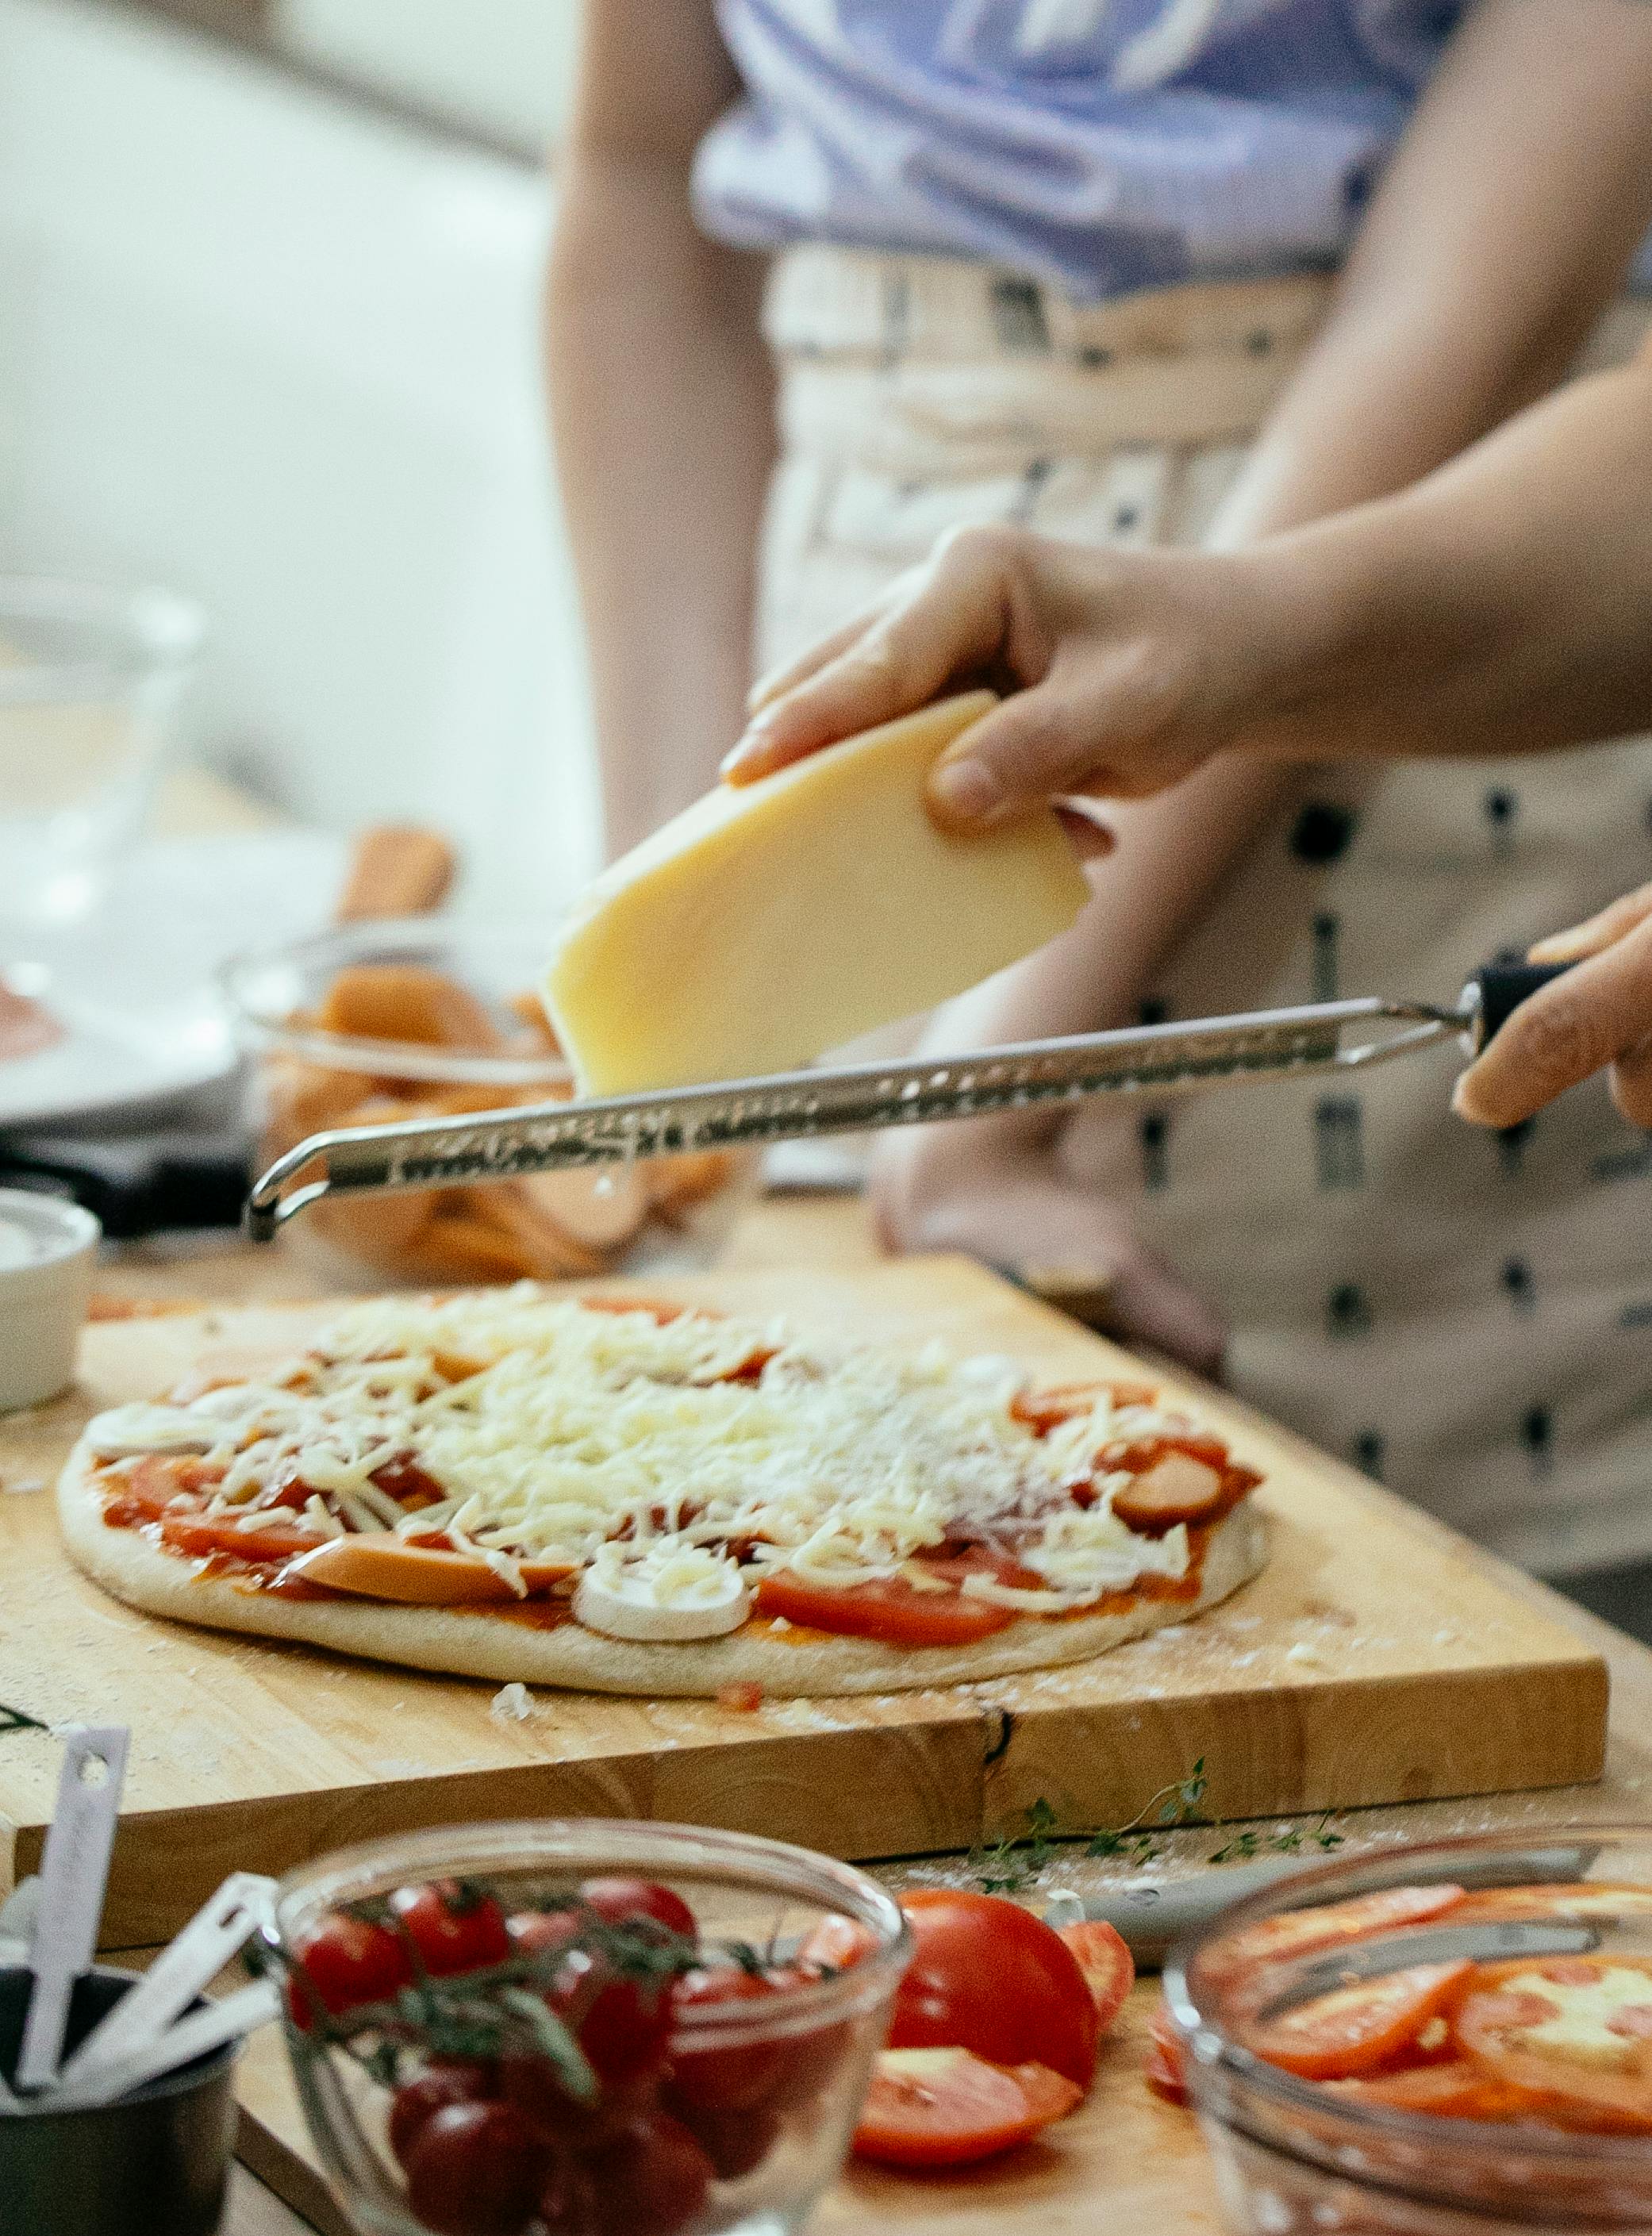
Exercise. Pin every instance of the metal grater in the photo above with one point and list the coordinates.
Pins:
(1159, 1059)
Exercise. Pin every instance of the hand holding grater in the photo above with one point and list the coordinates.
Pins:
(1251, 1047)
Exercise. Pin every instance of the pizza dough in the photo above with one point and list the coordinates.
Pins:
(483, 1644)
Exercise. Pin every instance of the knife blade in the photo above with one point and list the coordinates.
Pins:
(1151, 1915)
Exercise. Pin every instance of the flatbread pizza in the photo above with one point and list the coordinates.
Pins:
(656, 1499)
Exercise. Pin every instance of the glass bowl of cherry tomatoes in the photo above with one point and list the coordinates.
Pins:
(1453, 2040)
(582, 2027)
(382, 1022)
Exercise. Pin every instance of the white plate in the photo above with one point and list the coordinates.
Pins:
(134, 983)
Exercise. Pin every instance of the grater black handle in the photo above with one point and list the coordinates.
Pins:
(135, 1183)
(1502, 986)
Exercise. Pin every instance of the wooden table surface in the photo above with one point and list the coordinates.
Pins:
(1123, 2135)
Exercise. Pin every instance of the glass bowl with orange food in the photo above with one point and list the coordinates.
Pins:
(1453, 2040)
(429, 1016)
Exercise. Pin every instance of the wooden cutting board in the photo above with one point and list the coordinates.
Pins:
(1370, 1663)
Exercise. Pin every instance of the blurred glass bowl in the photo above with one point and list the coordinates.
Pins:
(1295, 2158)
(426, 1017)
(91, 679)
(790, 2069)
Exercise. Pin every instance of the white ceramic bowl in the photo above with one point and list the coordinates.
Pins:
(47, 1251)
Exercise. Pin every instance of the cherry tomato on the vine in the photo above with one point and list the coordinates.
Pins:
(476, 2170)
(652, 2180)
(534, 1931)
(744, 2075)
(453, 1928)
(343, 1962)
(622, 1900)
(444, 2082)
(623, 2025)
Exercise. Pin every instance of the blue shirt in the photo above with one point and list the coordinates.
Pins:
(1104, 145)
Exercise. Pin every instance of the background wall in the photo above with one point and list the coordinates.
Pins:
(263, 344)
(503, 66)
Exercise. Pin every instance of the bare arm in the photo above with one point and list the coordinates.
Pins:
(662, 408)
(1503, 605)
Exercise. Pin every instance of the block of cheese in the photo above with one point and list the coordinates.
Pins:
(774, 921)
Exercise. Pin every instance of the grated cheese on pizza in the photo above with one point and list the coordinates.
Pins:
(547, 1432)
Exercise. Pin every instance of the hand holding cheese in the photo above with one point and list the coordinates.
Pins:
(774, 921)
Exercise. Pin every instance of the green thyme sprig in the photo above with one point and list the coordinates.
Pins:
(1289, 1840)
(1011, 1862)
(1173, 1805)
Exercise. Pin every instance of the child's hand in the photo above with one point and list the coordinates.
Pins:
(968, 1188)
(1598, 1015)
(1126, 671)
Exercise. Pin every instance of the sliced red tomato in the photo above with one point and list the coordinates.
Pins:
(658, 1310)
(1571, 2035)
(893, 1610)
(836, 1944)
(956, 1566)
(1583, 1898)
(404, 1480)
(936, 2107)
(751, 1367)
(196, 1536)
(1458, 2090)
(1357, 2029)
(1166, 2068)
(1049, 2095)
(290, 1490)
(1293, 1933)
(1040, 1410)
(143, 1491)
(989, 1976)
(1107, 1964)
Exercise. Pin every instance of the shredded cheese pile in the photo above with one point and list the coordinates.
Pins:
(553, 1432)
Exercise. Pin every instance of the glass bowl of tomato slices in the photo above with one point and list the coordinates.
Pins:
(380, 1022)
(582, 2027)
(1453, 2040)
